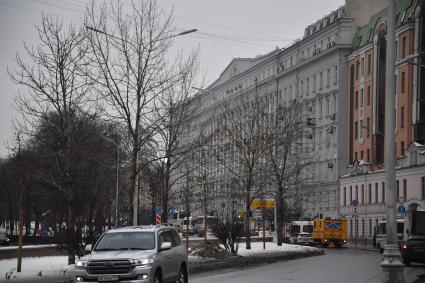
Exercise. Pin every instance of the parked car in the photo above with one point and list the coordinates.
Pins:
(304, 238)
(413, 250)
(141, 254)
(4, 240)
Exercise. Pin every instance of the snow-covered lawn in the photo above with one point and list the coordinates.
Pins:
(257, 248)
(56, 266)
(49, 266)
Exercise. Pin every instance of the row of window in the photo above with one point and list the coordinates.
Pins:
(362, 68)
(360, 226)
(375, 194)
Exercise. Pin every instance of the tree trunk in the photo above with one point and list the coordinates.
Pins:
(247, 224)
(280, 219)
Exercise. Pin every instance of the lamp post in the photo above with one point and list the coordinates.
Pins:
(117, 175)
(392, 267)
(136, 183)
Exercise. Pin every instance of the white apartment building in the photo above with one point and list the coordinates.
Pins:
(312, 71)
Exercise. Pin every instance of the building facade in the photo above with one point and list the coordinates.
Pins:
(311, 72)
(365, 184)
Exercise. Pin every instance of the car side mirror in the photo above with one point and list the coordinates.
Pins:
(165, 246)
(88, 249)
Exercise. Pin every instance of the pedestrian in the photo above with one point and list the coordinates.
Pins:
(374, 237)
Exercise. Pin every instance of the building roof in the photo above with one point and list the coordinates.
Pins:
(364, 35)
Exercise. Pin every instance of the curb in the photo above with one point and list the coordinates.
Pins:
(240, 262)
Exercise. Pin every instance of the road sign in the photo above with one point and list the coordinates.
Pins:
(158, 210)
(355, 202)
(401, 209)
(256, 203)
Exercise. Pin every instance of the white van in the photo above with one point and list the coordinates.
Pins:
(298, 227)
(381, 235)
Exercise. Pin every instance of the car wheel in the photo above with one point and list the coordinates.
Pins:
(157, 277)
(182, 275)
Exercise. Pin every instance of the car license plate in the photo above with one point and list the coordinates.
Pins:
(108, 278)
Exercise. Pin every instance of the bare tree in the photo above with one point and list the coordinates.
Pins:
(130, 55)
(56, 82)
(286, 158)
(173, 110)
(241, 146)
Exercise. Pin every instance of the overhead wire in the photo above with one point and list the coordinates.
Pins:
(34, 10)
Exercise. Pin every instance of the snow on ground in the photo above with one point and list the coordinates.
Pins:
(31, 266)
(257, 248)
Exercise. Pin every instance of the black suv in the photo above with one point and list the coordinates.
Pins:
(413, 250)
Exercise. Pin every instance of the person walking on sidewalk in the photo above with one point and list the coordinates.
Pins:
(374, 237)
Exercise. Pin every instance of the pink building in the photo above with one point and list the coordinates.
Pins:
(368, 188)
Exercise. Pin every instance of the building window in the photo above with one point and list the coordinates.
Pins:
(402, 117)
(369, 64)
(336, 75)
(356, 130)
(376, 192)
(314, 84)
(405, 189)
(368, 127)
(370, 224)
(361, 97)
(383, 191)
(402, 148)
(357, 193)
(403, 82)
(328, 78)
(423, 187)
(370, 193)
(357, 69)
(355, 156)
(368, 155)
(356, 98)
(307, 89)
(403, 47)
(351, 195)
(321, 81)
(363, 228)
(362, 66)
(368, 95)
(345, 196)
(362, 196)
(361, 129)
(351, 227)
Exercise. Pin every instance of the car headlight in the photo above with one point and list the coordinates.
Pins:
(143, 262)
(81, 264)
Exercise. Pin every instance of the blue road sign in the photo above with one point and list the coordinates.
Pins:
(401, 209)
(158, 210)
(170, 211)
(355, 202)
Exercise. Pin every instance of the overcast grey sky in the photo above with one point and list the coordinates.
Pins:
(226, 29)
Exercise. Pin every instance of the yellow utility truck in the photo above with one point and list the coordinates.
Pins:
(330, 231)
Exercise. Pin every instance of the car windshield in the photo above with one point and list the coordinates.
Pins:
(126, 241)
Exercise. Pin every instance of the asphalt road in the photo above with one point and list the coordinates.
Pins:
(343, 265)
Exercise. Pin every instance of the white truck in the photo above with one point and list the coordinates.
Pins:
(413, 225)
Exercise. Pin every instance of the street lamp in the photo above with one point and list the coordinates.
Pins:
(117, 145)
(136, 185)
(163, 38)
